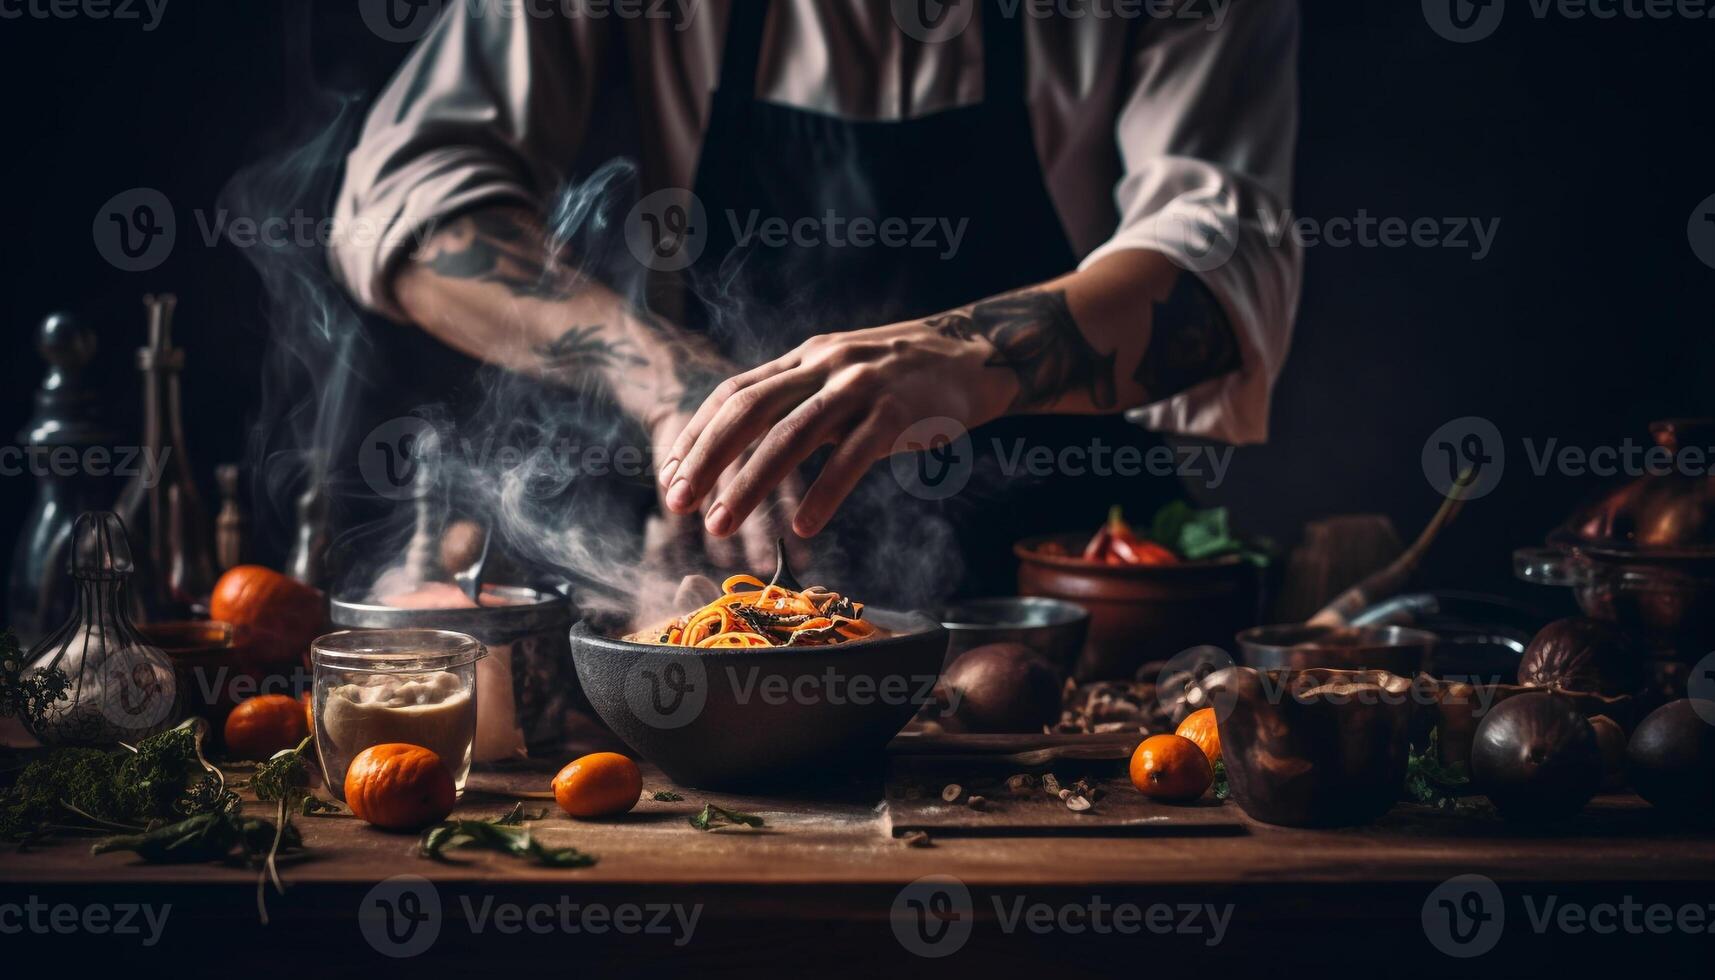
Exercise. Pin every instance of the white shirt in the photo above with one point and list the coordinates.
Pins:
(1177, 137)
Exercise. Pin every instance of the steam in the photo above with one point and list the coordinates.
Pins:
(517, 461)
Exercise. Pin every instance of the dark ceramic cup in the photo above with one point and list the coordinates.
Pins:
(1313, 748)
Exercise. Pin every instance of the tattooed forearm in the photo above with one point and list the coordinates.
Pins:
(1190, 341)
(501, 248)
(1034, 335)
(954, 326)
(582, 357)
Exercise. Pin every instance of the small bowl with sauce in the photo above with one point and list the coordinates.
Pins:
(416, 686)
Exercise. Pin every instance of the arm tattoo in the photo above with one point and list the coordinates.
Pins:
(954, 326)
(583, 358)
(1190, 341)
(697, 369)
(496, 247)
(1034, 335)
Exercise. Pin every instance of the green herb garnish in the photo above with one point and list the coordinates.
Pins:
(504, 835)
(27, 694)
(285, 781)
(517, 816)
(1222, 789)
(313, 807)
(1430, 783)
(713, 816)
(204, 837)
(1197, 534)
(82, 790)
(665, 796)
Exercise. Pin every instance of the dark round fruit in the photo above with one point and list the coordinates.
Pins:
(1000, 687)
(1536, 758)
(1671, 758)
(1581, 654)
(1611, 739)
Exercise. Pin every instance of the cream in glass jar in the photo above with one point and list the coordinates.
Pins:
(416, 686)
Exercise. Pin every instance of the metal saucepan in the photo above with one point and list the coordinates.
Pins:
(1299, 646)
(1054, 628)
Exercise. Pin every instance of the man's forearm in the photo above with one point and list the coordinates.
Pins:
(485, 284)
(1129, 330)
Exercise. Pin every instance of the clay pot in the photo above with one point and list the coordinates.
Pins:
(1140, 613)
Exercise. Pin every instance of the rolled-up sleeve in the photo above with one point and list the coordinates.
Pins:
(1206, 135)
(487, 109)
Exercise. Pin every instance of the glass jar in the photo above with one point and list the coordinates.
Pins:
(416, 686)
(120, 688)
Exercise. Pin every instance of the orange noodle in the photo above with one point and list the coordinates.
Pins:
(750, 613)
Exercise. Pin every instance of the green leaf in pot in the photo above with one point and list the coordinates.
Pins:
(1195, 534)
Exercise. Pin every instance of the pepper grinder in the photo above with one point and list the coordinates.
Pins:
(231, 525)
(67, 421)
(307, 560)
(167, 513)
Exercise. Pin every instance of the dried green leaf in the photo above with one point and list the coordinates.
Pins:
(713, 816)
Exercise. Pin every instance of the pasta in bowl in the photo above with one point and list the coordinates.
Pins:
(751, 614)
(768, 684)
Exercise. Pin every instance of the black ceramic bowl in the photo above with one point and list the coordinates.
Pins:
(753, 718)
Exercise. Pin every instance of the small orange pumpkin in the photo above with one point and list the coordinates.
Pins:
(601, 784)
(1199, 726)
(1171, 768)
(280, 614)
(396, 786)
(263, 725)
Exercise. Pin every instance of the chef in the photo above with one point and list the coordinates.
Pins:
(1077, 195)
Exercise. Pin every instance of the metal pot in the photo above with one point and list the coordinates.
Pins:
(1300, 646)
(1054, 628)
(526, 632)
(1643, 556)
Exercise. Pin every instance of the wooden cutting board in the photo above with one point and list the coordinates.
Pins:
(920, 766)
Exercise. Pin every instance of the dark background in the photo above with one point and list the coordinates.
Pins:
(1589, 139)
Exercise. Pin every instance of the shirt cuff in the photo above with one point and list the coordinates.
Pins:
(375, 233)
(1256, 281)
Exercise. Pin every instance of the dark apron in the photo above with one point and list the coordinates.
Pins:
(890, 544)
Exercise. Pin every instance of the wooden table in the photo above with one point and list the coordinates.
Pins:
(819, 886)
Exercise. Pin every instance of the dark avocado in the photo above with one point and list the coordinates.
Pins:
(1671, 758)
(1581, 654)
(1536, 758)
(998, 688)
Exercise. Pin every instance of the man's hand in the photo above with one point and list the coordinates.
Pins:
(858, 391)
(1127, 330)
(681, 540)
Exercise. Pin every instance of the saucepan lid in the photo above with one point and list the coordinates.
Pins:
(1665, 514)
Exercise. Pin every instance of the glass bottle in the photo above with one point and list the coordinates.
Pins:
(166, 512)
(121, 688)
